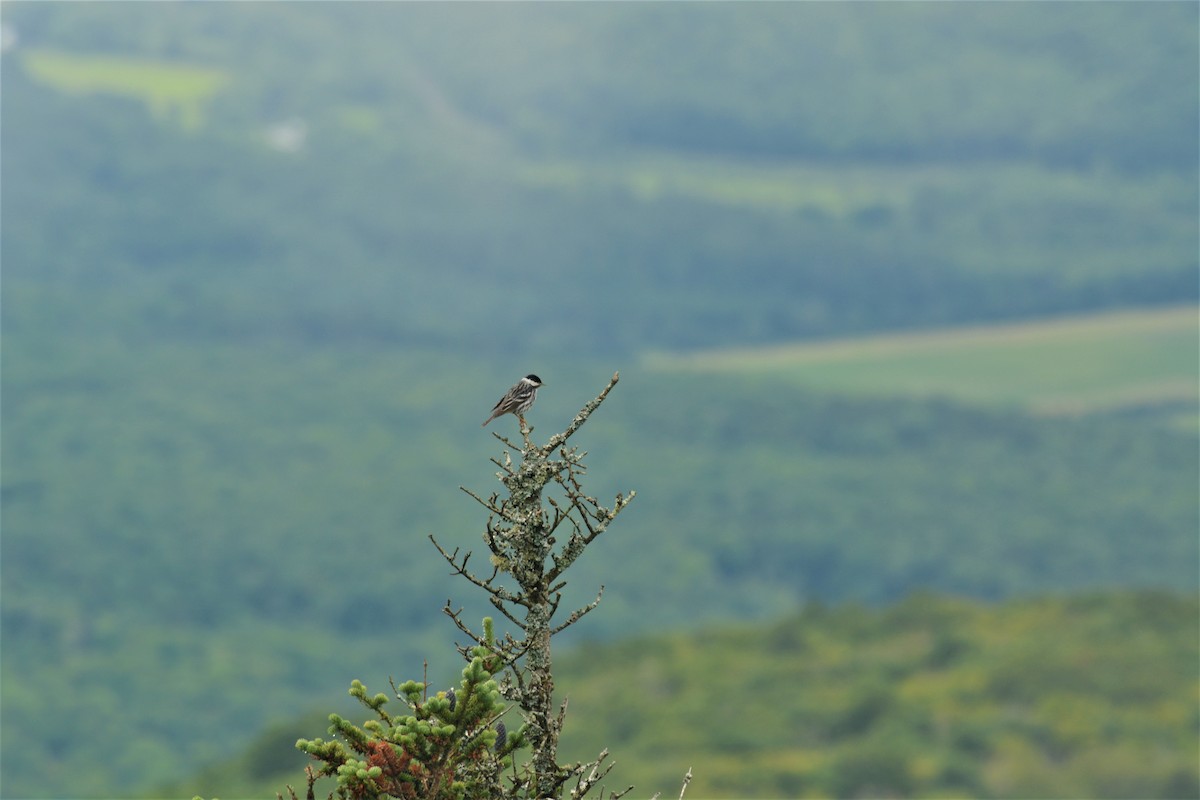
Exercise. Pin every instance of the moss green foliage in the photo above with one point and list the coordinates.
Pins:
(1082, 697)
(449, 748)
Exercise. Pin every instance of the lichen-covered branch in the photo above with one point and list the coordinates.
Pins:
(526, 582)
(453, 745)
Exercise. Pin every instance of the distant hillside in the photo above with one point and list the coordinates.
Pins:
(630, 176)
(266, 267)
(1052, 85)
(1116, 362)
(1087, 697)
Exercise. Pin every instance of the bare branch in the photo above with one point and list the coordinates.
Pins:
(562, 713)
(456, 616)
(578, 613)
(584, 785)
(559, 439)
(489, 505)
(506, 440)
(686, 780)
(488, 585)
(504, 610)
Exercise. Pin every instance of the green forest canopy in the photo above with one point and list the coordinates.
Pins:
(240, 376)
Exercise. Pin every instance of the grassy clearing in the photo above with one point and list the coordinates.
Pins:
(786, 187)
(171, 90)
(1069, 365)
(844, 190)
(777, 186)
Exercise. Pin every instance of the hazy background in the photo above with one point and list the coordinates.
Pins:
(903, 298)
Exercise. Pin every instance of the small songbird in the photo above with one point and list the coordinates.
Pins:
(517, 400)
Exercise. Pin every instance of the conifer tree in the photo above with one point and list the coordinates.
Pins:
(454, 744)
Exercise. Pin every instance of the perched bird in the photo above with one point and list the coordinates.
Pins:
(518, 399)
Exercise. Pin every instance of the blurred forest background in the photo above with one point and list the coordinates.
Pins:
(903, 296)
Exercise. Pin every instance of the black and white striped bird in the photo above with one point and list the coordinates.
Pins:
(517, 400)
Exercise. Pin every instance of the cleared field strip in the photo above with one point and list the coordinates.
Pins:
(170, 89)
(1061, 365)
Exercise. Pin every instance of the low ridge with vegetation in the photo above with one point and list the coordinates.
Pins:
(1092, 695)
